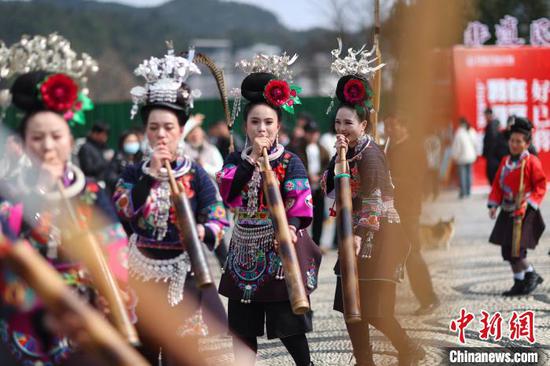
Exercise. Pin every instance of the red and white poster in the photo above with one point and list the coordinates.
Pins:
(510, 80)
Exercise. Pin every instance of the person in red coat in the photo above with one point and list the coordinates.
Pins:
(504, 194)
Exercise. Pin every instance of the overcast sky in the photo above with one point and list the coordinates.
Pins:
(295, 14)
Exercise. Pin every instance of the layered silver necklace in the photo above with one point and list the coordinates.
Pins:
(255, 181)
(161, 194)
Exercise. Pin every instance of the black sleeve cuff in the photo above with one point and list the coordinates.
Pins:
(242, 177)
(141, 190)
(295, 221)
(330, 176)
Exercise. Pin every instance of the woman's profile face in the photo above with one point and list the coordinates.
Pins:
(163, 129)
(48, 139)
(347, 123)
(262, 121)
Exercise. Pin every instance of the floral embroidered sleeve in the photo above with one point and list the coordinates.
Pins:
(131, 192)
(296, 194)
(210, 209)
(375, 191)
(234, 175)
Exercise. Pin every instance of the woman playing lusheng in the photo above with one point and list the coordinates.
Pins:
(142, 197)
(253, 278)
(379, 242)
(504, 194)
(31, 209)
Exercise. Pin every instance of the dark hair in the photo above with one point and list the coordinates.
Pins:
(146, 110)
(464, 121)
(248, 107)
(100, 127)
(522, 126)
(25, 97)
(488, 110)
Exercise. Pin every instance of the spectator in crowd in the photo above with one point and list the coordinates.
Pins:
(315, 159)
(220, 137)
(199, 149)
(296, 139)
(464, 155)
(492, 129)
(328, 236)
(284, 138)
(93, 156)
(128, 153)
(407, 162)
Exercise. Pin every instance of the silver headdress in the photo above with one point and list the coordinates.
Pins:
(279, 67)
(276, 65)
(50, 53)
(357, 62)
(163, 79)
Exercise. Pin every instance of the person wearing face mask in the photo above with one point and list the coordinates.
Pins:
(380, 244)
(129, 153)
(31, 205)
(253, 277)
(143, 199)
(504, 194)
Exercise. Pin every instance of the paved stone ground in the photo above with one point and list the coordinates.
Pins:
(470, 274)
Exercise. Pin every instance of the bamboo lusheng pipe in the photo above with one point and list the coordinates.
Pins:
(90, 252)
(287, 251)
(188, 231)
(518, 220)
(377, 83)
(101, 338)
(346, 251)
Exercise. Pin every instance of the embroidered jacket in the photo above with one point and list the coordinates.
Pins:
(234, 182)
(253, 270)
(371, 187)
(374, 216)
(21, 325)
(506, 183)
(137, 201)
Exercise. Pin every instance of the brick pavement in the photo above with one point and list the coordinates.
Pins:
(470, 274)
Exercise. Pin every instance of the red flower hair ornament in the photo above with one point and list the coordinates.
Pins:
(279, 94)
(59, 93)
(354, 91)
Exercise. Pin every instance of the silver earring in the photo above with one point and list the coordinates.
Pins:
(246, 142)
(277, 140)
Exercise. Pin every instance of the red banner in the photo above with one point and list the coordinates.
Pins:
(510, 80)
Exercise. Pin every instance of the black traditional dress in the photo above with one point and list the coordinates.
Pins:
(384, 249)
(253, 273)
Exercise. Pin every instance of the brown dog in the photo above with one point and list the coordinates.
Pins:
(437, 235)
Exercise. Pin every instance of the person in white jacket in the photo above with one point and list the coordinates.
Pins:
(199, 149)
(464, 155)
